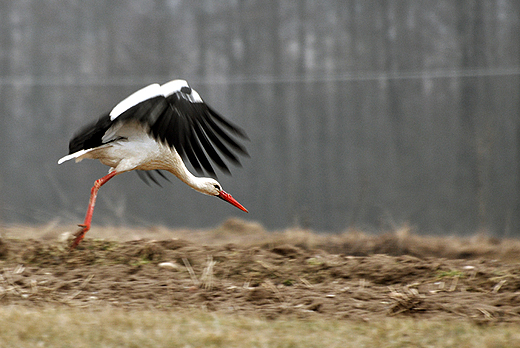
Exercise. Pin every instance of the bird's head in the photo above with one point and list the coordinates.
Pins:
(212, 187)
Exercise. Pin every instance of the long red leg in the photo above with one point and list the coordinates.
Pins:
(88, 218)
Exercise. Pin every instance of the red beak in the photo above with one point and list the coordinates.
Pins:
(227, 197)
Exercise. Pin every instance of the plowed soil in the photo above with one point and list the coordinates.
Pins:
(240, 268)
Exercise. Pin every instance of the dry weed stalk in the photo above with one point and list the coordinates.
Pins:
(206, 278)
(362, 283)
(76, 293)
(268, 284)
(7, 279)
(486, 313)
(497, 287)
(34, 286)
(86, 281)
(404, 301)
(191, 272)
(247, 283)
(306, 282)
(269, 267)
(454, 284)
(71, 296)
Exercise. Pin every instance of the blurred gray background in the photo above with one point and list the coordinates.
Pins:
(366, 114)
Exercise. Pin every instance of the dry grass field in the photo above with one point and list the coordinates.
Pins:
(240, 286)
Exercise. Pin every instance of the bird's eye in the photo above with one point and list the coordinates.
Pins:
(186, 89)
(217, 187)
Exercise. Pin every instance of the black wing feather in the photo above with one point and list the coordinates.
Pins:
(197, 149)
(146, 112)
(162, 175)
(90, 135)
(195, 126)
(210, 150)
(150, 175)
(142, 176)
(238, 131)
(145, 174)
(188, 149)
(214, 128)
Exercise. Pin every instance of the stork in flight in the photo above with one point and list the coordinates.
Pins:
(156, 128)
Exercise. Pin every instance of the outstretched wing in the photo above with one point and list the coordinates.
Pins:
(174, 114)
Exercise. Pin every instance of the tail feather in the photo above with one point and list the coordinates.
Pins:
(77, 155)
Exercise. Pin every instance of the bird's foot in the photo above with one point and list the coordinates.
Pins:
(79, 235)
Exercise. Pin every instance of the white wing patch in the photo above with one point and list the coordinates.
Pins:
(135, 98)
(175, 86)
(152, 91)
(195, 97)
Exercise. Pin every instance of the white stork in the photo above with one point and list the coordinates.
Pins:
(154, 129)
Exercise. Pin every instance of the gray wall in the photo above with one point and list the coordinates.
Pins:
(360, 113)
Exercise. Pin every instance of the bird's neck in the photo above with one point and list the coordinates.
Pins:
(172, 162)
(195, 182)
(189, 179)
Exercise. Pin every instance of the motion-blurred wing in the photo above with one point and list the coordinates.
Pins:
(175, 115)
(178, 117)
